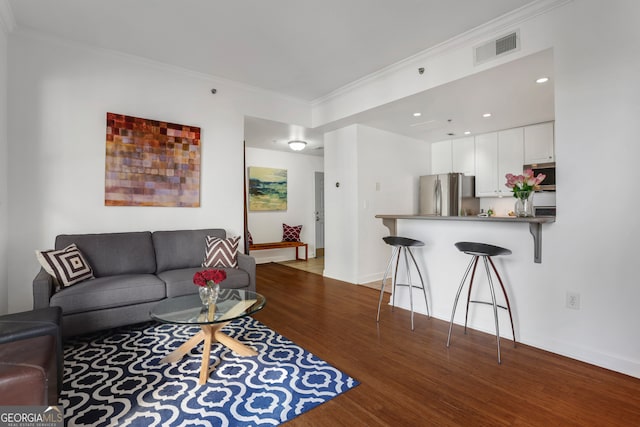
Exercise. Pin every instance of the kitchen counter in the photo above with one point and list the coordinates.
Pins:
(535, 225)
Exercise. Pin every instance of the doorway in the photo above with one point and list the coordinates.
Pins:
(319, 213)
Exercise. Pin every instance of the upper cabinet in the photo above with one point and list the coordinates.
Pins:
(497, 154)
(457, 155)
(539, 143)
(487, 164)
(463, 156)
(441, 160)
(491, 156)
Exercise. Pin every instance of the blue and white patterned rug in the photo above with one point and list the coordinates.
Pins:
(115, 378)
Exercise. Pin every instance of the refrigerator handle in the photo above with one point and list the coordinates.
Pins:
(438, 198)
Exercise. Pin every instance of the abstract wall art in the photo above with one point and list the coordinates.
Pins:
(267, 189)
(151, 163)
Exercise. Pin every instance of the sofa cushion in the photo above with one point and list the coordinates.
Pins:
(180, 282)
(182, 248)
(221, 252)
(108, 292)
(109, 254)
(67, 265)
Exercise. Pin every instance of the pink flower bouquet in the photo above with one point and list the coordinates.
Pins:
(523, 185)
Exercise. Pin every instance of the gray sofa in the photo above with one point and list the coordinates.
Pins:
(133, 271)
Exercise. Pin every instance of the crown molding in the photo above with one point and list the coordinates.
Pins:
(7, 20)
(471, 37)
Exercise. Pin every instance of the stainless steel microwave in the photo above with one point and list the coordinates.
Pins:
(549, 169)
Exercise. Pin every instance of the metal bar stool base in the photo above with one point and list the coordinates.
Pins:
(484, 251)
(402, 246)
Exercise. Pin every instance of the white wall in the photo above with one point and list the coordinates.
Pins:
(341, 204)
(388, 169)
(267, 226)
(4, 175)
(591, 248)
(378, 173)
(59, 95)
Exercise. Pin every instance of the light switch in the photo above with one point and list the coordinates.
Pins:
(377, 186)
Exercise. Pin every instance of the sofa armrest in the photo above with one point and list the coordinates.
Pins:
(248, 264)
(43, 289)
(35, 323)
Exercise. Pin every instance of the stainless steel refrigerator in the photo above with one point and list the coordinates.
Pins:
(448, 194)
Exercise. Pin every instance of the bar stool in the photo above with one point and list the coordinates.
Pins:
(402, 245)
(486, 251)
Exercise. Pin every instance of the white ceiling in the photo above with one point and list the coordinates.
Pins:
(509, 92)
(302, 48)
(306, 50)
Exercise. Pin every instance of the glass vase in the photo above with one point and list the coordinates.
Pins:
(209, 293)
(205, 294)
(524, 204)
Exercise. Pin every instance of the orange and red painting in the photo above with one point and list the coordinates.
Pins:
(151, 163)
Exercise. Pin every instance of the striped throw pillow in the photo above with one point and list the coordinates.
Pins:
(221, 252)
(67, 265)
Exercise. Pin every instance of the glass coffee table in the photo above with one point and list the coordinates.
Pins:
(189, 310)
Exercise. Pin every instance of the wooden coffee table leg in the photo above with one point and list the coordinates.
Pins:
(206, 353)
(177, 354)
(210, 334)
(234, 344)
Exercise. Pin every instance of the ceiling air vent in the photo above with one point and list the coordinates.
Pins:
(497, 47)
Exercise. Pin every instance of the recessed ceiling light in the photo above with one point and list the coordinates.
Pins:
(542, 80)
(485, 115)
(417, 114)
(466, 132)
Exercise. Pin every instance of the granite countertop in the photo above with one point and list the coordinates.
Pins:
(537, 219)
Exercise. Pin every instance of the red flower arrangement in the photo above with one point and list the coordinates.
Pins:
(205, 277)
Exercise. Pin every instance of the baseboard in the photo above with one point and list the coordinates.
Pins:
(368, 278)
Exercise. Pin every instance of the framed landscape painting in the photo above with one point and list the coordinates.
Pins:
(267, 189)
(151, 163)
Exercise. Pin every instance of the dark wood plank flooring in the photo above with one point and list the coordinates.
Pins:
(410, 378)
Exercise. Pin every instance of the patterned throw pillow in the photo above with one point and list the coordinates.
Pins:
(291, 234)
(221, 252)
(249, 238)
(67, 265)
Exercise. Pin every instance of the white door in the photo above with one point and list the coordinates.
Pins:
(319, 205)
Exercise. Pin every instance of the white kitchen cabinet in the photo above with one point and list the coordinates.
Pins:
(441, 160)
(464, 155)
(539, 143)
(510, 157)
(498, 153)
(486, 164)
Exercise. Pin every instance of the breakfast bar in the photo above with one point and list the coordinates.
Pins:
(535, 225)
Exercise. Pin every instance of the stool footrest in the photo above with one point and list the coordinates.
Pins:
(489, 303)
(408, 285)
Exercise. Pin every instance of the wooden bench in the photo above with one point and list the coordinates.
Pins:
(281, 245)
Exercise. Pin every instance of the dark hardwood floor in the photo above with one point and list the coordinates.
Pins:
(411, 378)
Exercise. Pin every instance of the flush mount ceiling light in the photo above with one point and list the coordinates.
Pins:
(417, 114)
(542, 80)
(466, 132)
(297, 145)
(486, 115)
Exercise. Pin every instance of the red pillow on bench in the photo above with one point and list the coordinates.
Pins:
(291, 234)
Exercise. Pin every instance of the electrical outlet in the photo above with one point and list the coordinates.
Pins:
(573, 300)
